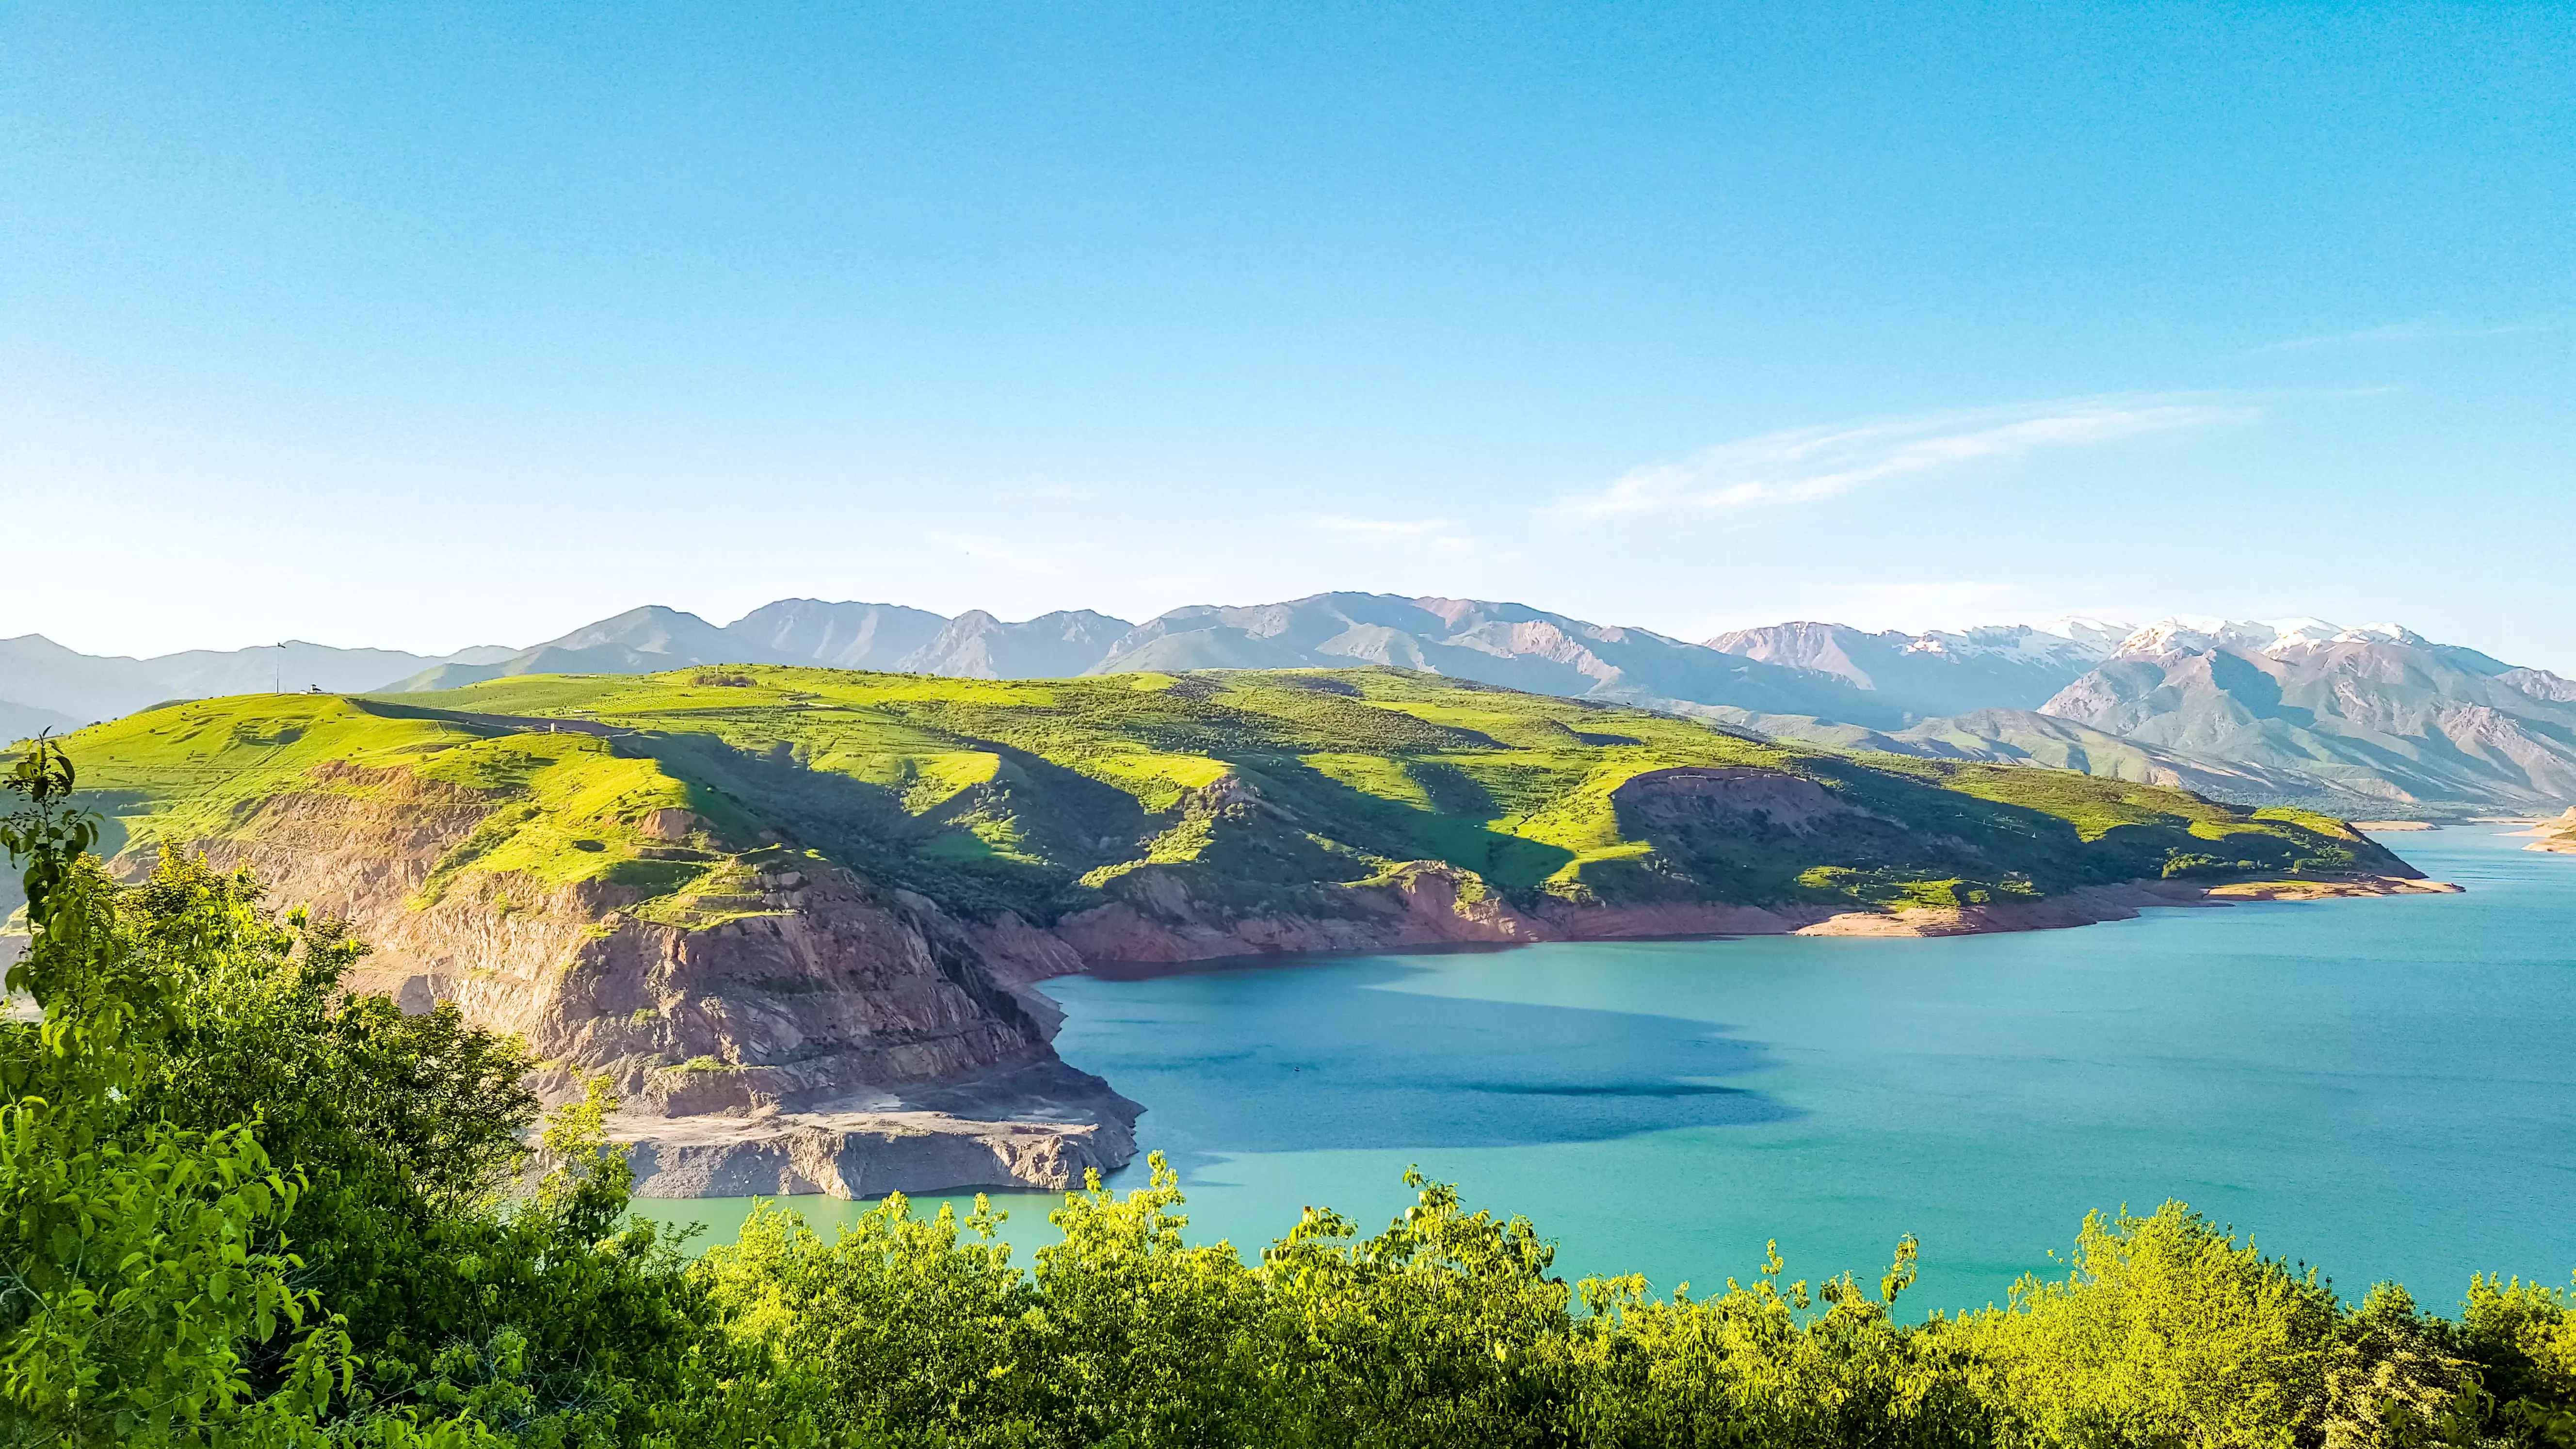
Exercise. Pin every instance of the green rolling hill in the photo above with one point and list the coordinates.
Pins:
(1225, 795)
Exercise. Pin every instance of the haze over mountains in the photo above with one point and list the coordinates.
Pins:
(44, 685)
(2365, 720)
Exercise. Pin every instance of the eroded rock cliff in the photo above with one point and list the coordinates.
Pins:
(819, 1034)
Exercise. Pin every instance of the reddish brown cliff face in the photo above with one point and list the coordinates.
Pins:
(830, 1035)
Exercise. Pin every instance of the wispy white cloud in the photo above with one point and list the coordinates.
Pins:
(2395, 333)
(1440, 534)
(1803, 465)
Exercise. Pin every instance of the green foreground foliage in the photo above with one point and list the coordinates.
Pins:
(239, 1205)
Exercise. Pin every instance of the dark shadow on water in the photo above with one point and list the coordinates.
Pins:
(1297, 960)
(1322, 1056)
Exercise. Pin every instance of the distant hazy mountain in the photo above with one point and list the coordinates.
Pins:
(19, 721)
(1507, 644)
(654, 638)
(2024, 737)
(40, 675)
(975, 645)
(2378, 711)
(639, 641)
(837, 636)
(1939, 673)
(2289, 709)
(808, 631)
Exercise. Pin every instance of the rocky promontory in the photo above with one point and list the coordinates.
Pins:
(824, 1035)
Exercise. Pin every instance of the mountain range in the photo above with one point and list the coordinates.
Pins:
(46, 686)
(2368, 720)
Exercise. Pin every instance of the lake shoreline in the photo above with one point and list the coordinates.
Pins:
(1666, 1107)
(963, 1146)
(1499, 927)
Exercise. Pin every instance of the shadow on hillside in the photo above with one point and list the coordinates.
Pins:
(1321, 1055)
(2256, 689)
(1457, 833)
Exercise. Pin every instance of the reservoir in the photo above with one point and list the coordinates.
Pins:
(2383, 1087)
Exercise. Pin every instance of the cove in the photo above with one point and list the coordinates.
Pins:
(2385, 1087)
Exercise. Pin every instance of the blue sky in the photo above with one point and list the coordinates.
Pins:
(429, 325)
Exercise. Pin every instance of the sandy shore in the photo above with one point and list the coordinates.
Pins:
(2108, 903)
(2557, 834)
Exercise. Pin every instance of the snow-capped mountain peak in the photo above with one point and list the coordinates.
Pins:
(2317, 633)
(2201, 633)
(2305, 629)
(2380, 634)
(2100, 635)
(2198, 634)
(2087, 640)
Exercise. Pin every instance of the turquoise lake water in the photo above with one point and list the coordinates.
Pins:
(2385, 1087)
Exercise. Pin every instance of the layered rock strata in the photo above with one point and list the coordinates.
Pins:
(825, 1035)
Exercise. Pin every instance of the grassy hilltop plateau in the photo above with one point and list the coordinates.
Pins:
(1200, 798)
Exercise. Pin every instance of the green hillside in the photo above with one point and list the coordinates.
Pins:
(1255, 792)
